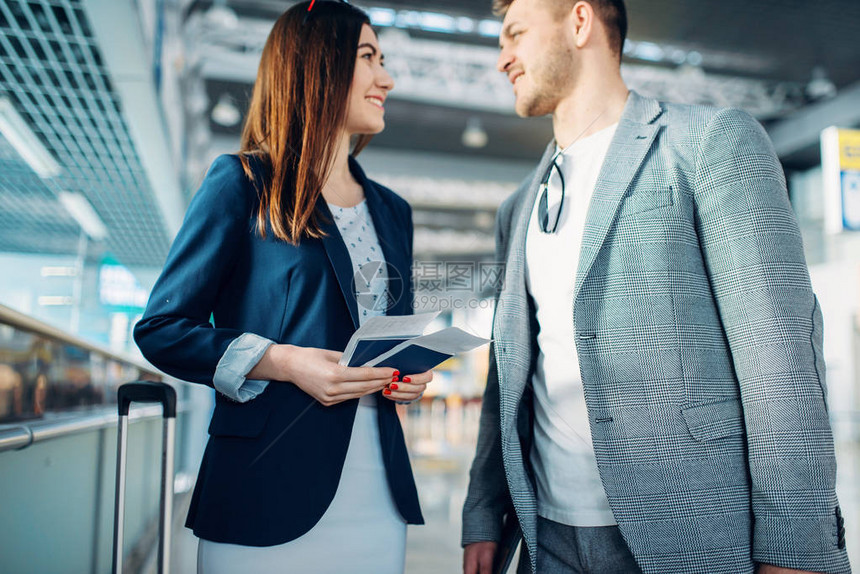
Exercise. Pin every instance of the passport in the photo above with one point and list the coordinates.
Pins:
(397, 342)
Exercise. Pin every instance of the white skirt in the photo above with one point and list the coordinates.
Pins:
(362, 531)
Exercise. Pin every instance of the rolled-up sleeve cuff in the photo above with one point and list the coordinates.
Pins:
(241, 356)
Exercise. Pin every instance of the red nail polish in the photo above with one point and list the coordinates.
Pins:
(393, 386)
(386, 392)
(407, 380)
(396, 373)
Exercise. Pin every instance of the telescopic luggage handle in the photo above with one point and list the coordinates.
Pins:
(146, 392)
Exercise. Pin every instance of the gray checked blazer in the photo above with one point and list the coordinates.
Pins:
(700, 348)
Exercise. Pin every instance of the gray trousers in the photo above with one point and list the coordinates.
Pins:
(566, 549)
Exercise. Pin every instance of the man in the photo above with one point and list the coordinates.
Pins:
(656, 397)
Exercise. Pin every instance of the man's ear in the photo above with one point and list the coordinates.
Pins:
(582, 21)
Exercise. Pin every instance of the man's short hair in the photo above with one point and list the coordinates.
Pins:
(612, 13)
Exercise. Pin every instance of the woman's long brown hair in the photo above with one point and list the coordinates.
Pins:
(298, 113)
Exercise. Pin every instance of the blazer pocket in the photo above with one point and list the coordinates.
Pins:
(645, 201)
(240, 419)
(714, 419)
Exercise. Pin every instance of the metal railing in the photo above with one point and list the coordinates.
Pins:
(18, 320)
(19, 435)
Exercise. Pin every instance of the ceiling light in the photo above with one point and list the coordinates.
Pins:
(694, 58)
(649, 51)
(18, 133)
(434, 22)
(382, 16)
(81, 210)
(820, 86)
(225, 112)
(489, 28)
(408, 19)
(59, 271)
(222, 16)
(56, 301)
(676, 55)
(465, 25)
(474, 135)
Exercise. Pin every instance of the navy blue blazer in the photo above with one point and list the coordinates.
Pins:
(272, 465)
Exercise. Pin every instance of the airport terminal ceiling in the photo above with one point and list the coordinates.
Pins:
(774, 58)
(785, 39)
(771, 58)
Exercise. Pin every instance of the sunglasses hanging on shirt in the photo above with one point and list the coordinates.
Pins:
(544, 218)
(543, 207)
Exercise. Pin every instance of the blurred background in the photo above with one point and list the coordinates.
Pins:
(112, 110)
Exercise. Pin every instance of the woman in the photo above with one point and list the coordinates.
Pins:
(306, 467)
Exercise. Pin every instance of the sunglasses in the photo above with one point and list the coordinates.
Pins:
(543, 206)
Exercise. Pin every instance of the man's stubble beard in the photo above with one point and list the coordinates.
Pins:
(550, 83)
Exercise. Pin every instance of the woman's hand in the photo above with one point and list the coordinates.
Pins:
(409, 388)
(317, 372)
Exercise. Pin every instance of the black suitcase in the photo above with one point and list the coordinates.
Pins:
(146, 392)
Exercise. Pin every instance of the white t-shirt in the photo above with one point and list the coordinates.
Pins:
(569, 489)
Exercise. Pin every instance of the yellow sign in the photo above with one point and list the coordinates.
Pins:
(849, 149)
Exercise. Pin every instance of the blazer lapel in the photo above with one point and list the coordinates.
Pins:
(513, 348)
(390, 233)
(515, 270)
(633, 138)
(338, 255)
